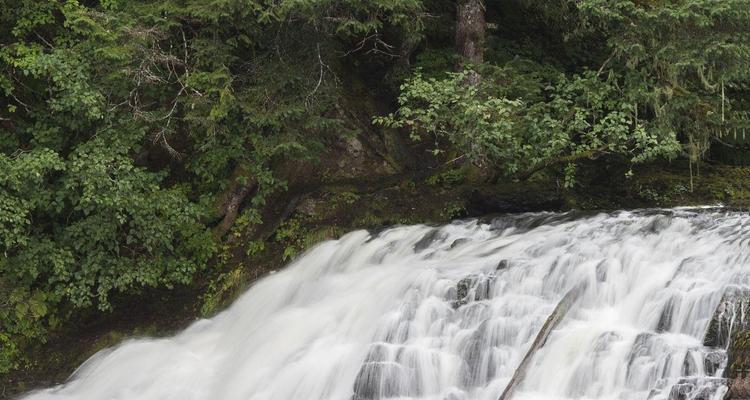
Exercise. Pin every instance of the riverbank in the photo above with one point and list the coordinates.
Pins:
(365, 197)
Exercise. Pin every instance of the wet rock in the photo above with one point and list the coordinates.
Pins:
(714, 361)
(738, 366)
(378, 352)
(458, 242)
(690, 366)
(473, 288)
(731, 316)
(681, 391)
(494, 200)
(658, 224)
(696, 388)
(427, 240)
(642, 348)
(377, 380)
(730, 329)
(386, 372)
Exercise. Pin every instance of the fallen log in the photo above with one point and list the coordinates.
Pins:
(541, 338)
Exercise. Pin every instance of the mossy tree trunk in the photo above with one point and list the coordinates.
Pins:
(470, 33)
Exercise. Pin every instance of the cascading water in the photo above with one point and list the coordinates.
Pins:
(448, 313)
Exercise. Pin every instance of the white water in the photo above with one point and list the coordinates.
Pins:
(375, 316)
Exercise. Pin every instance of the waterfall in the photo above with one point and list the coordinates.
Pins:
(449, 313)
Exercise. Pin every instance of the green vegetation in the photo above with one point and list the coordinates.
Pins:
(633, 80)
(151, 145)
(124, 124)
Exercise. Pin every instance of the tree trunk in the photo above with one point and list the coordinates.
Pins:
(470, 31)
(231, 200)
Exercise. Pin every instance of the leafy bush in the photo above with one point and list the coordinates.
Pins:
(571, 118)
(123, 122)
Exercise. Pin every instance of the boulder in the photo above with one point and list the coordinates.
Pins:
(730, 329)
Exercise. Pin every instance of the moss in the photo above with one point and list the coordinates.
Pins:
(452, 210)
(448, 178)
(739, 355)
(220, 289)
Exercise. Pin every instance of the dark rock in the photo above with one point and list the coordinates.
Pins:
(490, 201)
(730, 317)
(658, 224)
(427, 240)
(713, 361)
(690, 365)
(377, 380)
(458, 242)
(730, 329)
(473, 288)
(642, 348)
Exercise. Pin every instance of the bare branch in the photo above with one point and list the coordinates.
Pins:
(50, 45)
(320, 77)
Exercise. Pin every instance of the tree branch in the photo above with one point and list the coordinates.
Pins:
(591, 154)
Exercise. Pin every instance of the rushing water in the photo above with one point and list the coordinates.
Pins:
(448, 313)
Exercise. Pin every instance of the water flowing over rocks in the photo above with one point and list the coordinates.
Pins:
(552, 321)
(732, 316)
(616, 306)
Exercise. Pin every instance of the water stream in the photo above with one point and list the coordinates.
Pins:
(448, 313)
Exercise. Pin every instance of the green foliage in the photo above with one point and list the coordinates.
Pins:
(451, 210)
(296, 238)
(671, 78)
(685, 62)
(220, 288)
(565, 119)
(292, 235)
(77, 230)
(122, 122)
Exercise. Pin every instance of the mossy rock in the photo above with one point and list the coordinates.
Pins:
(738, 366)
(728, 319)
(730, 328)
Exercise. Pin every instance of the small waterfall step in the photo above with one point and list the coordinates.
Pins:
(456, 313)
(721, 357)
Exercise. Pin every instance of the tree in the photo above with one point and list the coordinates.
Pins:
(131, 131)
(470, 31)
(671, 78)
